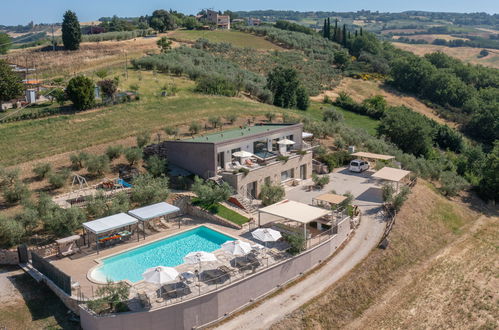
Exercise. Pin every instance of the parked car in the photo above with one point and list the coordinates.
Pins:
(358, 166)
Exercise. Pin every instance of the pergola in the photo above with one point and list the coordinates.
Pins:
(332, 199)
(107, 224)
(369, 155)
(153, 211)
(391, 174)
(294, 211)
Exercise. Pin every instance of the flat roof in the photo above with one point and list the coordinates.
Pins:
(372, 156)
(109, 223)
(237, 133)
(153, 211)
(331, 198)
(295, 211)
(391, 174)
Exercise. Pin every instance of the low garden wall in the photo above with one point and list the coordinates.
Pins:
(218, 304)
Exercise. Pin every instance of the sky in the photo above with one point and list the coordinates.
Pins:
(15, 12)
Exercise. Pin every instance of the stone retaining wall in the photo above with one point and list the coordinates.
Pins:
(10, 256)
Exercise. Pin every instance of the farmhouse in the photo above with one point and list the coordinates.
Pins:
(222, 21)
(247, 157)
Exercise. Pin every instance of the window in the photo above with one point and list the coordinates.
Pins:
(259, 146)
(235, 150)
(286, 175)
(267, 180)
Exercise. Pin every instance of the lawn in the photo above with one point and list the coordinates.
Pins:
(351, 118)
(228, 214)
(236, 38)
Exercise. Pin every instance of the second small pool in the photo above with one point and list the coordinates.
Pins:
(168, 252)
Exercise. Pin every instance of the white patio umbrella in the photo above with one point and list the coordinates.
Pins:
(237, 247)
(198, 257)
(242, 154)
(160, 275)
(286, 142)
(266, 235)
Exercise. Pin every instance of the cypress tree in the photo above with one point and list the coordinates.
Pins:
(356, 33)
(71, 33)
(328, 29)
(361, 32)
(344, 35)
(335, 35)
(324, 34)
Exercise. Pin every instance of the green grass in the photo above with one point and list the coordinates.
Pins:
(33, 139)
(351, 118)
(228, 214)
(236, 38)
(444, 212)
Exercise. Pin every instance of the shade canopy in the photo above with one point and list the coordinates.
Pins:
(372, 156)
(295, 211)
(160, 275)
(198, 257)
(266, 234)
(242, 154)
(286, 142)
(331, 198)
(237, 247)
(153, 211)
(109, 223)
(68, 239)
(391, 174)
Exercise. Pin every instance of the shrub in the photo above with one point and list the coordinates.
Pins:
(42, 170)
(11, 232)
(209, 193)
(148, 189)
(215, 86)
(194, 128)
(17, 192)
(452, 183)
(80, 91)
(332, 115)
(231, 118)
(171, 130)
(270, 116)
(97, 165)
(108, 87)
(156, 166)
(387, 192)
(296, 242)
(63, 222)
(215, 121)
(8, 177)
(113, 295)
(133, 155)
(78, 160)
(320, 180)
(59, 179)
(302, 100)
(271, 194)
(143, 139)
(114, 152)
(400, 198)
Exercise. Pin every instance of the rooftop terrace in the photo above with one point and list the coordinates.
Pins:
(237, 133)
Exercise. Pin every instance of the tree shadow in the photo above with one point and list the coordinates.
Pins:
(42, 303)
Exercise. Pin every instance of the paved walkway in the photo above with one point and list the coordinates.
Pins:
(368, 197)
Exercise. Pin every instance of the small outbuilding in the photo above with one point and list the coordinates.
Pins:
(391, 174)
(104, 229)
(153, 211)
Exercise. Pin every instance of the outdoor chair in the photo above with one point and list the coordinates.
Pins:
(215, 276)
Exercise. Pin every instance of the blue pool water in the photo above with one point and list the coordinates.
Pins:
(167, 252)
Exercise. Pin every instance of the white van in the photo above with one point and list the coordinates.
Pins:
(358, 166)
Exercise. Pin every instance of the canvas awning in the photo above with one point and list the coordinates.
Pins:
(109, 223)
(331, 198)
(391, 174)
(153, 211)
(372, 156)
(286, 142)
(295, 211)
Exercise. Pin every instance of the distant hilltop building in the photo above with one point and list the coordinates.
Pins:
(254, 21)
(221, 21)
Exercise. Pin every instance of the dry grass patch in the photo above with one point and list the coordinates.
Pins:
(430, 37)
(465, 54)
(417, 235)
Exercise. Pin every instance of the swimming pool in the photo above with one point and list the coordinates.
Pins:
(168, 252)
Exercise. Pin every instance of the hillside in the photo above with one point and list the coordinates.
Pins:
(466, 54)
(438, 268)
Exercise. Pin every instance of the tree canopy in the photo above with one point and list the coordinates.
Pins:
(80, 91)
(10, 83)
(71, 33)
(162, 20)
(285, 85)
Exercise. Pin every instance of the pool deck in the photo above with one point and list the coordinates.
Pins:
(78, 266)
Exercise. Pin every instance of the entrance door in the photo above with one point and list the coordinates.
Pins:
(303, 172)
(251, 190)
(221, 159)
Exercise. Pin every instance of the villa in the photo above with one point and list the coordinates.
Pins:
(246, 157)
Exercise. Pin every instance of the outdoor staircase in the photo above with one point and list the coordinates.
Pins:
(218, 179)
(245, 203)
